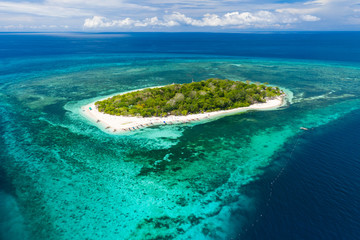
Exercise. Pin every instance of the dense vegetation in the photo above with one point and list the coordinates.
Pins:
(190, 98)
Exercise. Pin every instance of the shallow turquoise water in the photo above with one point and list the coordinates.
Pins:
(71, 180)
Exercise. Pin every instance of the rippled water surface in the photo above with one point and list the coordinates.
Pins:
(63, 178)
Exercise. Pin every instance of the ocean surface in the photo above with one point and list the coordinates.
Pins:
(254, 175)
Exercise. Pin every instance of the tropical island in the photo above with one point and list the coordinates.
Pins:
(189, 98)
(181, 103)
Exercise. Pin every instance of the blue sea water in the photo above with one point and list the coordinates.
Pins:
(316, 196)
(248, 176)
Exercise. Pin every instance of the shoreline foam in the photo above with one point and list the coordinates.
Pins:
(120, 124)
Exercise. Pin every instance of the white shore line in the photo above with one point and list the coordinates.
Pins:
(120, 124)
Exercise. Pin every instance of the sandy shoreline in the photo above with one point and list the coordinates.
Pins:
(120, 124)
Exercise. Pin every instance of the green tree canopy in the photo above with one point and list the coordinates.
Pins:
(189, 98)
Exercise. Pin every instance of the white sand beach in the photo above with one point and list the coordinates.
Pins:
(120, 124)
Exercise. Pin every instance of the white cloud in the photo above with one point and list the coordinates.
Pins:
(41, 9)
(186, 15)
(69, 8)
(10, 27)
(319, 2)
(113, 4)
(260, 19)
(154, 21)
(257, 19)
(35, 27)
(102, 22)
(309, 18)
(178, 17)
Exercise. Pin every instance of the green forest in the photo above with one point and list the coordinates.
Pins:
(189, 98)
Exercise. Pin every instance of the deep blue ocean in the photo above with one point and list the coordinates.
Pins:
(254, 175)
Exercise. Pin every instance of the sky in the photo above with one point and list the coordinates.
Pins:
(178, 15)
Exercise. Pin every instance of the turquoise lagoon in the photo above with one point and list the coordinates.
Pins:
(69, 180)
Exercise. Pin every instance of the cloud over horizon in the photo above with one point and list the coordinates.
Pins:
(259, 19)
(179, 15)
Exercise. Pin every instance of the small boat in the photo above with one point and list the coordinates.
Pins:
(303, 128)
